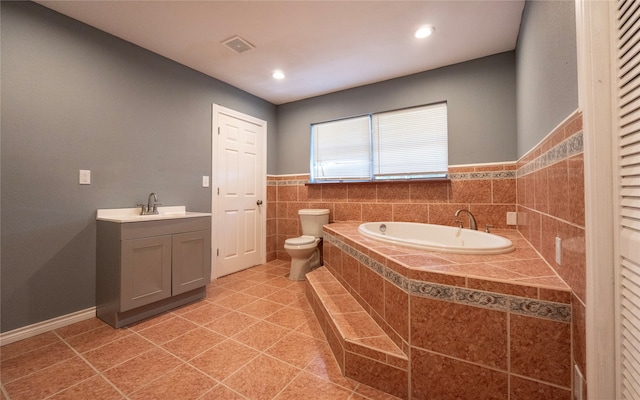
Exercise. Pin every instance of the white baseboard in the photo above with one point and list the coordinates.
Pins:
(46, 326)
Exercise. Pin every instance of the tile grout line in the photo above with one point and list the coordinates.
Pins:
(98, 372)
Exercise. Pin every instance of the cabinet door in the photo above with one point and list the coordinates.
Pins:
(191, 261)
(145, 271)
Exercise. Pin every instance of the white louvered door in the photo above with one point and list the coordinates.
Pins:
(627, 49)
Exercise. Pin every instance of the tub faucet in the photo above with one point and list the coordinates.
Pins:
(472, 220)
(152, 208)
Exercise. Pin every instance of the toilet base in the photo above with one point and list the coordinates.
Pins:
(301, 266)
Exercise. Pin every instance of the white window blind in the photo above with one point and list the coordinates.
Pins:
(341, 149)
(402, 144)
(411, 143)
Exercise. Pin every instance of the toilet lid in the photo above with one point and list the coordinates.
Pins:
(300, 240)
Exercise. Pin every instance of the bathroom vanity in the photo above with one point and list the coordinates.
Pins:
(148, 264)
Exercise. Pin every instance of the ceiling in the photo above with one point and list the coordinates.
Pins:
(321, 46)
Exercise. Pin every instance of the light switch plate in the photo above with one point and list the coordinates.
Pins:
(558, 251)
(205, 181)
(512, 218)
(85, 177)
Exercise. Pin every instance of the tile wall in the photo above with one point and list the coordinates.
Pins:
(500, 336)
(488, 191)
(550, 200)
(545, 187)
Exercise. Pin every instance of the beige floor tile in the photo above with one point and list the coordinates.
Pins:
(222, 392)
(236, 300)
(289, 317)
(260, 308)
(282, 296)
(26, 345)
(262, 378)
(307, 386)
(95, 388)
(232, 323)
(206, 313)
(119, 351)
(167, 330)
(183, 382)
(326, 367)
(79, 327)
(96, 337)
(193, 343)
(261, 335)
(298, 349)
(50, 380)
(224, 359)
(141, 370)
(373, 394)
(33, 361)
(313, 329)
(260, 290)
(253, 337)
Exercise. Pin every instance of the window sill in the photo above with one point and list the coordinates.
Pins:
(434, 180)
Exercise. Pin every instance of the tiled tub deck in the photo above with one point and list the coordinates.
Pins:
(446, 325)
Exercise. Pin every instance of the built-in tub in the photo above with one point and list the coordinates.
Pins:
(447, 239)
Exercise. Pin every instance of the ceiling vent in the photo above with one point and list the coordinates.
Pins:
(238, 44)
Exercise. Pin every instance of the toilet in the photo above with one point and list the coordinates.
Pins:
(304, 251)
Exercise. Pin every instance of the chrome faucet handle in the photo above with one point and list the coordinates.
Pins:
(486, 228)
(143, 208)
(459, 222)
(155, 208)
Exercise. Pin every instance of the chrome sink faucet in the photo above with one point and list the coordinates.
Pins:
(152, 208)
(152, 205)
(472, 220)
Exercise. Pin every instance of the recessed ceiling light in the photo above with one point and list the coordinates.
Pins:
(424, 31)
(278, 74)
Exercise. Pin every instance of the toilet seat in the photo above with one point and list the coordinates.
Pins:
(300, 240)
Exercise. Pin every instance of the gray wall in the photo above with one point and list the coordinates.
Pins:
(76, 98)
(481, 96)
(546, 65)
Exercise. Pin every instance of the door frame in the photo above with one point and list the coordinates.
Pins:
(594, 33)
(215, 203)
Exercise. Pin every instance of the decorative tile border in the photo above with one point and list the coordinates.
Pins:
(477, 298)
(569, 147)
(462, 176)
(471, 176)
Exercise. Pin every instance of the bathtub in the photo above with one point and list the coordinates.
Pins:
(447, 239)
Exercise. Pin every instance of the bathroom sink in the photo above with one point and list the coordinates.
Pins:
(124, 215)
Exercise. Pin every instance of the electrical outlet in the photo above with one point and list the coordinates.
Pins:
(85, 177)
(558, 251)
(512, 218)
(205, 181)
(577, 383)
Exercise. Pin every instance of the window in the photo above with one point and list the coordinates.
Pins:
(403, 144)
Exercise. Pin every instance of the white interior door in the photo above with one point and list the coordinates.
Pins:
(239, 201)
(628, 157)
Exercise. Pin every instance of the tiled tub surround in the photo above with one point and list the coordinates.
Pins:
(489, 191)
(495, 326)
(550, 194)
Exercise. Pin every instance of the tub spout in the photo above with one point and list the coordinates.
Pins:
(472, 220)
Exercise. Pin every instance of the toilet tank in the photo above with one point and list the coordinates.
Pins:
(312, 219)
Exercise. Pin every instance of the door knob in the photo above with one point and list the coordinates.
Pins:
(259, 202)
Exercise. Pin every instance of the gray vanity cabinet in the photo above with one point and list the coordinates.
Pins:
(191, 260)
(146, 271)
(148, 267)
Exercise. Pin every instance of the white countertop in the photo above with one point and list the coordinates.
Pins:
(123, 215)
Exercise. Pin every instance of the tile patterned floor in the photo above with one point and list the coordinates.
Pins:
(253, 337)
